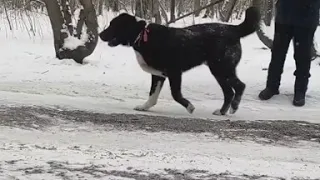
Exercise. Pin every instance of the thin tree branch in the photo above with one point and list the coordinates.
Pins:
(6, 12)
(163, 12)
(199, 9)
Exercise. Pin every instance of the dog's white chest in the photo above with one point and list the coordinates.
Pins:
(144, 66)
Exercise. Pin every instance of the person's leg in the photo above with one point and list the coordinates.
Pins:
(282, 37)
(303, 42)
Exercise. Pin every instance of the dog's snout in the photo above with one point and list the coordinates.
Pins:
(103, 36)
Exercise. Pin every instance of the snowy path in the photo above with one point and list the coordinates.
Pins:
(39, 143)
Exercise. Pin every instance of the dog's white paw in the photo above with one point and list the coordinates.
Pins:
(232, 111)
(141, 108)
(217, 112)
(190, 108)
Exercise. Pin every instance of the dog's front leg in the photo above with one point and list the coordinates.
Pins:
(175, 84)
(156, 86)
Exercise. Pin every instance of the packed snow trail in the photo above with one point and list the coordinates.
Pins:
(42, 143)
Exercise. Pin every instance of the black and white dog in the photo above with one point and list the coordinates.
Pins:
(167, 52)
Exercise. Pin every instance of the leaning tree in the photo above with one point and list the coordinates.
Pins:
(73, 39)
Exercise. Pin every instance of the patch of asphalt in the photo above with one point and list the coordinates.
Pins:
(260, 131)
(66, 171)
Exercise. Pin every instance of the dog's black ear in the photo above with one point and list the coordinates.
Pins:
(141, 24)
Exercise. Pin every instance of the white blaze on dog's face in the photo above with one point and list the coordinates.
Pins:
(123, 30)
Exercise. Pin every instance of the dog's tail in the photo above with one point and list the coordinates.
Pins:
(250, 23)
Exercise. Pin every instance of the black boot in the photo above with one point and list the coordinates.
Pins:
(299, 99)
(268, 93)
(300, 89)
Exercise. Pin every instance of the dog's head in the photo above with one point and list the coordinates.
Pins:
(123, 29)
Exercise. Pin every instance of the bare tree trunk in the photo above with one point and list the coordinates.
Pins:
(155, 11)
(62, 29)
(209, 11)
(27, 4)
(227, 9)
(172, 10)
(132, 2)
(268, 15)
(196, 6)
(56, 20)
(115, 5)
(67, 15)
(180, 7)
(112, 4)
(239, 8)
(142, 9)
(100, 7)
(261, 35)
(190, 13)
(7, 16)
(163, 11)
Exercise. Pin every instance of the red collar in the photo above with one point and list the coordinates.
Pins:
(143, 35)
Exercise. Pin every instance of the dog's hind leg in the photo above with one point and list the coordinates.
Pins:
(239, 88)
(222, 77)
(175, 84)
(156, 86)
(228, 96)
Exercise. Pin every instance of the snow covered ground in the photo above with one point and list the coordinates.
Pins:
(39, 143)
(111, 81)
(157, 153)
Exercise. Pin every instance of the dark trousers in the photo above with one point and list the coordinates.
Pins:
(303, 41)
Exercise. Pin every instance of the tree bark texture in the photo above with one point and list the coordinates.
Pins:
(227, 9)
(261, 34)
(268, 12)
(100, 7)
(141, 9)
(155, 11)
(62, 28)
(173, 10)
(196, 6)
